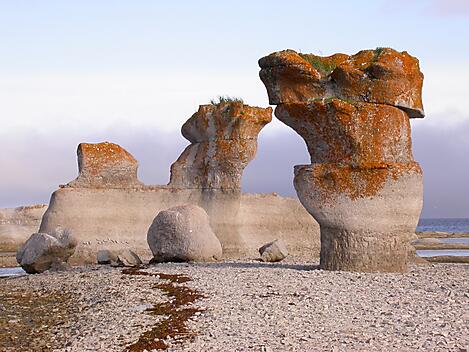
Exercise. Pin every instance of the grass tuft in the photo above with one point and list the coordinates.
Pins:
(324, 67)
(225, 99)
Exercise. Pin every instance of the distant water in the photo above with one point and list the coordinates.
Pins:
(442, 252)
(443, 225)
(11, 272)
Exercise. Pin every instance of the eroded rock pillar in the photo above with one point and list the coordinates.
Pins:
(362, 186)
(223, 141)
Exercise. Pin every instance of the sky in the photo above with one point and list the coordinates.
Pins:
(131, 72)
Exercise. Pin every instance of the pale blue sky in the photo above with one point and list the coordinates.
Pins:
(133, 71)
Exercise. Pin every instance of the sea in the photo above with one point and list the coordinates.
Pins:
(425, 225)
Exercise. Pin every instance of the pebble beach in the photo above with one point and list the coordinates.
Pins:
(236, 306)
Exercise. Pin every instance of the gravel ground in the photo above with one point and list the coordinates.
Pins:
(253, 306)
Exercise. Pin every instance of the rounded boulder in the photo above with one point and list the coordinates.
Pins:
(183, 234)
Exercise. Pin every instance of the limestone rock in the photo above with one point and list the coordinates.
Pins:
(183, 234)
(381, 76)
(274, 251)
(105, 165)
(106, 256)
(363, 186)
(224, 141)
(127, 258)
(41, 251)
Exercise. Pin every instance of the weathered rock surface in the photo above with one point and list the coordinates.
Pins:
(127, 258)
(224, 141)
(17, 224)
(128, 214)
(105, 165)
(382, 76)
(274, 251)
(363, 186)
(42, 251)
(106, 256)
(183, 234)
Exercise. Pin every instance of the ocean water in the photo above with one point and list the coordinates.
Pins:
(443, 225)
(442, 252)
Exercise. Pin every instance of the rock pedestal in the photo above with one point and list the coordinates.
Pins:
(363, 186)
(223, 141)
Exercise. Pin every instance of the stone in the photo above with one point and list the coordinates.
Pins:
(106, 256)
(362, 186)
(42, 251)
(274, 251)
(223, 141)
(183, 234)
(105, 165)
(127, 258)
(382, 76)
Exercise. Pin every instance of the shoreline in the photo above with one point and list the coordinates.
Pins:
(255, 306)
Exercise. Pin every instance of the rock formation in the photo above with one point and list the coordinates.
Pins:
(273, 251)
(223, 141)
(105, 165)
(44, 251)
(183, 234)
(363, 186)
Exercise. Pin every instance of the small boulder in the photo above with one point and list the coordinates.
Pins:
(183, 234)
(274, 251)
(43, 251)
(127, 258)
(105, 256)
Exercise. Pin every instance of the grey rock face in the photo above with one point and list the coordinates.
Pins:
(42, 251)
(127, 258)
(274, 251)
(183, 234)
(105, 256)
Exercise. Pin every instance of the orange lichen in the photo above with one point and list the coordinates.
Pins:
(362, 181)
(338, 131)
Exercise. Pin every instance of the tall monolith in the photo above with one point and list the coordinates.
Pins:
(363, 185)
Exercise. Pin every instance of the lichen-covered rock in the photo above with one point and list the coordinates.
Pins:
(363, 186)
(224, 141)
(105, 165)
(42, 251)
(183, 234)
(381, 76)
(337, 131)
(273, 251)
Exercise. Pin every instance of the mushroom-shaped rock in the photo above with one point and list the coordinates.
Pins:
(381, 76)
(273, 251)
(224, 141)
(105, 165)
(363, 186)
(183, 234)
(43, 251)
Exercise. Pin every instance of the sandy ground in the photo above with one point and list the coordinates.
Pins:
(237, 306)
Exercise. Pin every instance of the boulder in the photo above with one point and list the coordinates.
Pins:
(106, 256)
(183, 234)
(43, 251)
(363, 186)
(105, 165)
(127, 258)
(274, 251)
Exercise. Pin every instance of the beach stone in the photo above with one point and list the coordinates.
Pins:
(127, 258)
(362, 186)
(381, 76)
(42, 251)
(223, 141)
(106, 256)
(274, 251)
(105, 165)
(183, 234)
